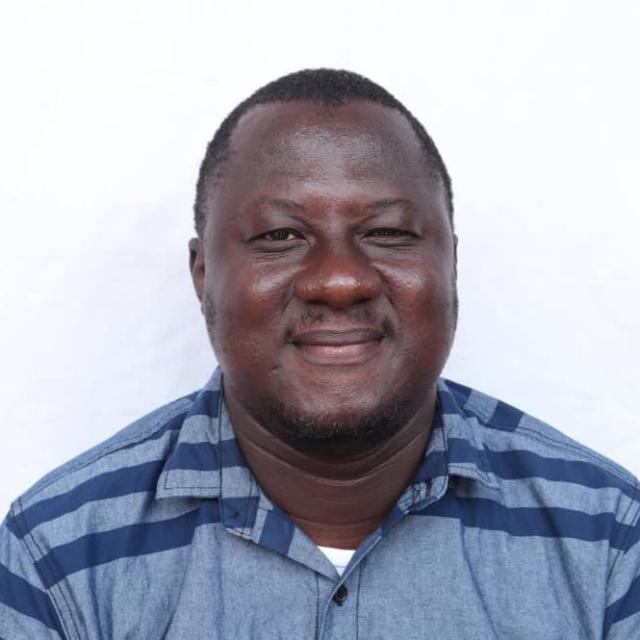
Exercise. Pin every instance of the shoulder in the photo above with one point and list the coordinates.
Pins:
(141, 445)
(533, 462)
(504, 425)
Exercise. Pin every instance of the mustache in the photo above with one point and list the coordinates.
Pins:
(357, 315)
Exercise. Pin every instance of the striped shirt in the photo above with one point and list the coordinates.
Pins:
(509, 530)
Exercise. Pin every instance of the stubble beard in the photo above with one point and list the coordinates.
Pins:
(334, 434)
(320, 433)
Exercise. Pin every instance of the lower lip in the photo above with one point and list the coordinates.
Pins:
(339, 355)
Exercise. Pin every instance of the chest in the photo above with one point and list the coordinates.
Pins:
(429, 578)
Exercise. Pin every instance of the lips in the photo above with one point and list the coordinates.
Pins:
(338, 347)
(335, 338)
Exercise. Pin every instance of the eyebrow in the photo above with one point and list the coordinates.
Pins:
(378, 205)
(283, 203)
(389, 203)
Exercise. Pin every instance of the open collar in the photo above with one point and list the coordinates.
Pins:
(205, 462)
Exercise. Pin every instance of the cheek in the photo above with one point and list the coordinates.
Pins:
(424, 289)
(245, 292)
(424, 305)
(249, 305)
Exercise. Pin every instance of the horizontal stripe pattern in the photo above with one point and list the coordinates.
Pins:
(18, 594)
(625, 607)
(134, 479)
(549, 522)
(142, 477)
(120, 451)
(204, 456)
(517, 464)
(277, 531)
(105, 515)
(493, 413)
(133, 540)
(206, 403)
(489, 469)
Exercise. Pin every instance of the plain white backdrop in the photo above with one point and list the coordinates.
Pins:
(105, 113)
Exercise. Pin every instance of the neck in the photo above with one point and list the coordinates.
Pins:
(337, 503)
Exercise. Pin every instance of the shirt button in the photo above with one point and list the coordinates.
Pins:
(341, 595)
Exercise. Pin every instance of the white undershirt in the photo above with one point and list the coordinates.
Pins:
(338, 557)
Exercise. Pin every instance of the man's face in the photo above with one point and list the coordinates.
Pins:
(327, 271)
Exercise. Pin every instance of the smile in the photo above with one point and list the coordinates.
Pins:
(338, 348)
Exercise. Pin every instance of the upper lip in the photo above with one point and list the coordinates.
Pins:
(337, 337)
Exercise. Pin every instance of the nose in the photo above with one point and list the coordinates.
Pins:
(338, 276)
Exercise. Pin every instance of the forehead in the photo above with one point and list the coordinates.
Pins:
(300, 138)
(338, 158)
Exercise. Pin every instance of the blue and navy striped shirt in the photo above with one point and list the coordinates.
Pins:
(509, 530)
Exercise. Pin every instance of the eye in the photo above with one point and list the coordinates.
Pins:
(387, 232)
(390, 233)
(280, 235)
(391, 238)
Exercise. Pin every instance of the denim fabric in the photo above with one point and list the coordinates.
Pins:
(509, 530)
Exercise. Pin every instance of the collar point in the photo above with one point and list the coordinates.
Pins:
(178, 483)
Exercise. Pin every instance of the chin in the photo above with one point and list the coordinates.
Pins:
(325, 431)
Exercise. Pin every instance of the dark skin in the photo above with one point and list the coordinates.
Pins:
(326, 272)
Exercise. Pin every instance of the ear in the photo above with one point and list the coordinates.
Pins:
(196, 266)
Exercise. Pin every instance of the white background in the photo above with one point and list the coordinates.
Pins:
(106, 110)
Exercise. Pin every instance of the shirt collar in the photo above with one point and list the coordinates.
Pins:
(462, 435)
(206, 461)
(193, 467)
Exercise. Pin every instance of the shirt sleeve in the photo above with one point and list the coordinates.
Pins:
(27, 611)
(622, 615)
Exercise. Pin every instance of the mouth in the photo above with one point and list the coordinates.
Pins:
(329, 347)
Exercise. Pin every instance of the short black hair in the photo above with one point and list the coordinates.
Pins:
(328, 87)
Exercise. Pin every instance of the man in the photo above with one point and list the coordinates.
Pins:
(326, 483)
